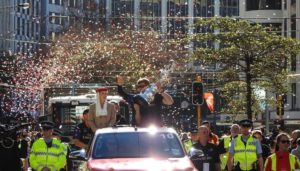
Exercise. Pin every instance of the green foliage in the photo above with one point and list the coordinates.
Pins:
(249, 57)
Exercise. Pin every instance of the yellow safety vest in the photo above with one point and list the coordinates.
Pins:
(188, 145)
(224, 157)
(245, 155)
(292, 159)
(41, 156)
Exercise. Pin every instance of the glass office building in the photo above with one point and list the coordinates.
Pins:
(167, 16)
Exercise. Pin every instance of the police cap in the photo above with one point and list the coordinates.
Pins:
(193, 130)
(246, 123)
(47, 125)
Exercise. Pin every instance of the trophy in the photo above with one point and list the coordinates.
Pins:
(146, 97)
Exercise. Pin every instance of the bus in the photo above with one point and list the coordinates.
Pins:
(66, 111)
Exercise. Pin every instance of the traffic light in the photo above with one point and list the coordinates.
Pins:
(197, 93)
(280, 105)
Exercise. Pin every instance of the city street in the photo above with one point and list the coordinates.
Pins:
(169, 82)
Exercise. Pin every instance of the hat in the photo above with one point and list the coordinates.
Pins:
(205, 122)
(193, 130)
(100, 89)
(246, 123)
(47, 125)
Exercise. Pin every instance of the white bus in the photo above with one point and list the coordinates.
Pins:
(66, 111)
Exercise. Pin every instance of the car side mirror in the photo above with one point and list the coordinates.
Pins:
(79, 155)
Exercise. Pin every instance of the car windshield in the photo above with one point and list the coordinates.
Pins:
(137, 144)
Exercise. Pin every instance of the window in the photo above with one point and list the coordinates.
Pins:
(273, 27)
(293, 2)
(137, 144)
(262, 4)
(294, 92)
(56, 2)
(229, 7)
(293, 63)
(55, 18)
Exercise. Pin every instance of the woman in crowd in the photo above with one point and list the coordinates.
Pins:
(282, 160)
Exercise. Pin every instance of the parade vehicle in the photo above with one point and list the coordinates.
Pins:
(121, 148)
(66, 111)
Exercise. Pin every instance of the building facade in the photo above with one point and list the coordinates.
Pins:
(283, 16)
(25, 29)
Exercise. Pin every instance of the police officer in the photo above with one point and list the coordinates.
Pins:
(245, 152)
(204, 154)
(224, 145)
(47, 153)
(192, 140)
(83, 132)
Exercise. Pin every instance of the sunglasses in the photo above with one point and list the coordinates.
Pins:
(285, 141)
(141, 86)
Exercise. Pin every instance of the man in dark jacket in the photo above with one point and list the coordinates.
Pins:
(204, 154)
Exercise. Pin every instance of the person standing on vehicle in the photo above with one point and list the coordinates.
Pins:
(282, 160)
(102, 113)
(145, 115)
(245, 152)
(224, 145)
(83, 132)
(204, 154)
(47, 153)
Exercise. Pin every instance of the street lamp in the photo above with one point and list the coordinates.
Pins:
(24, 5)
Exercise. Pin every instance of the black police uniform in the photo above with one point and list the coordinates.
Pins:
(64, 140)
(204, 154)
(83, 133)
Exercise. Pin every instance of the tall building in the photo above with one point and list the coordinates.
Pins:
(25, 29)
(283, 16)
(6, 17)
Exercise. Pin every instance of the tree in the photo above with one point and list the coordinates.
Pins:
(251, 57)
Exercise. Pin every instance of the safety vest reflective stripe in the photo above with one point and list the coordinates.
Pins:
(292, 161)
(244, 150)
(55, 146)
(47, 153)
(245, 155)
(66, 146)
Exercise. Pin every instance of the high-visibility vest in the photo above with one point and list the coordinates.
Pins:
(245, 155)
(66, 147)
(42, 156)
(188, 145)
(224, 157)
(292, 160)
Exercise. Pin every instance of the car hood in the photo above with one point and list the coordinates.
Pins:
(141, 164)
